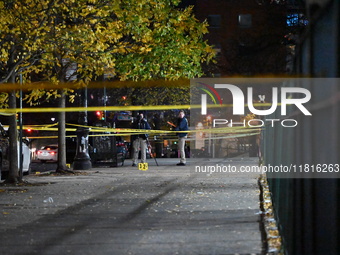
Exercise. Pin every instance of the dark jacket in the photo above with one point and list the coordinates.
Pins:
(182, 125)
(140, 124)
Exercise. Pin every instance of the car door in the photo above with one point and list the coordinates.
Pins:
(4, 150)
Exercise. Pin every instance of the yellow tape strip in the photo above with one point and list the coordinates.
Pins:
(97, 108)
(117, 108)
(179, 83)
(174, 138)
(95, 129)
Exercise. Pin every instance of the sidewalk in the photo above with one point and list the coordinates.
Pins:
(164, 210)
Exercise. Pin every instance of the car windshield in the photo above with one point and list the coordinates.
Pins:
(49, 148)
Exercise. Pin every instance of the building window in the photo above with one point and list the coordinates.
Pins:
(296, 19)
(214, 21)
(245, 20)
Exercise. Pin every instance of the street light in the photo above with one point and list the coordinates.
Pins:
(82, 160)
(100, 115)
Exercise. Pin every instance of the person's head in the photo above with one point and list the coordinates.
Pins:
(140, 116)
(181, 114)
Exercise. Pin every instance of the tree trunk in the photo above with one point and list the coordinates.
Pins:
(13, 175)
(62, 135)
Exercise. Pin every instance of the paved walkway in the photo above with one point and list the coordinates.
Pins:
(164, 210)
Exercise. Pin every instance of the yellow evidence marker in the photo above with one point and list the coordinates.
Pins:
(143, 166)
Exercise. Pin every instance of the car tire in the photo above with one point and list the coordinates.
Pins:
(29, 170)
(1, 173)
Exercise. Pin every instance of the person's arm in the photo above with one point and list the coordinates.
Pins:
(178, 126)
(183, 125)
(147, 126)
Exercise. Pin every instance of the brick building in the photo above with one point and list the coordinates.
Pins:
(248, 35)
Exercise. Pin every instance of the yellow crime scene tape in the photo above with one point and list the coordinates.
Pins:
(240, 131)
(106, 131)
(179, 83)
(9, 111)
(123, 131)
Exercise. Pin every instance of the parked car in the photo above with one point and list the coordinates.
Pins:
(5, 157)
(48, 153)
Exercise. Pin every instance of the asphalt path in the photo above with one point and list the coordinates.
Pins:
(164, 210)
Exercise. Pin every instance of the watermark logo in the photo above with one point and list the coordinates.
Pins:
(239, 99)
(209, 90)
(249, 102)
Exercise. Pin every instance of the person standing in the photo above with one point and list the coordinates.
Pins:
(139, 141)
(182, 125)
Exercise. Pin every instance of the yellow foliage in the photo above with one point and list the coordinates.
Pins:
(135, 40)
